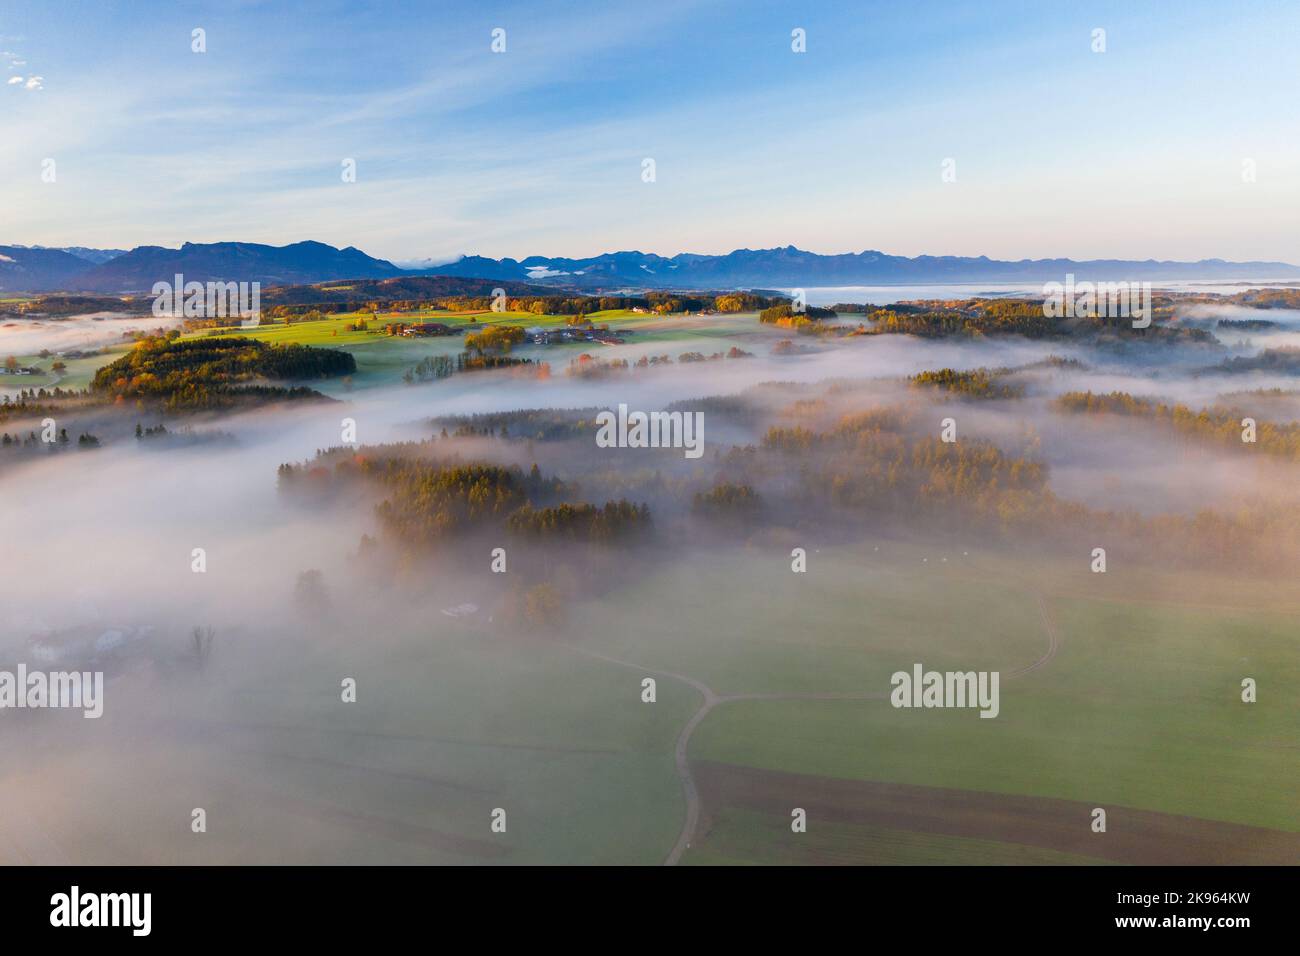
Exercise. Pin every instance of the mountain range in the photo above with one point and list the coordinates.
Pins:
(78, 269)
(34, 269)
(791, 267)
(95, 256)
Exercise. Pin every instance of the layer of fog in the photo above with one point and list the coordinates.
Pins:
(77, 333)
(105, 538)
(119, 524)
(889, 294)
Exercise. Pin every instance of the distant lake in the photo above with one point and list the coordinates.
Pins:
(887, 294)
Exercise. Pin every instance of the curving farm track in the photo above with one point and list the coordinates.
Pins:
(711, 699)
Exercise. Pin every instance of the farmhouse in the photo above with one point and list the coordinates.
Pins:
(428, 328)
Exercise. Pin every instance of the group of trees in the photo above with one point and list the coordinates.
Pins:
(886, 465)
(426, 501)
(1027, 317)
(1283, 361)
(588, 366)
(1267, 298)
(975, 383)
(874, 468)
(498, 339)
(784, 315)
(1006, 319)
(728, 503)
(880, 462)
(731, 353)
(204, 373)
(790, 347)
(429, 368)
(542, 424)
(1220, 426)
(70, 305)
(35, 403)
(564, 424)
(487, 348)
(477, 362)
(31, 442)
(661, 302)
(1245, 325)
(616, 521)
(303, 313)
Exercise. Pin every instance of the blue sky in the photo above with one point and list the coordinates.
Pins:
(1137, 152)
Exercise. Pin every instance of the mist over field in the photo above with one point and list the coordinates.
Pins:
(521, 689)
(609, 434)
(28, 336)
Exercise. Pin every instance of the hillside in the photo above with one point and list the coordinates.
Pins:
(30, 270)
(410, 287)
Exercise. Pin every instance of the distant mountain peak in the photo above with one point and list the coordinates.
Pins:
(790, 266)
(294, 264)
(310, 261)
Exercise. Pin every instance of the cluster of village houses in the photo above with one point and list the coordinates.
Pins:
(429, 328)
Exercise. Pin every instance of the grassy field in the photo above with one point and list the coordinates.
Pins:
(1138, 708)
(333, 332)
(841, 628)
(382, 359)
(448, 725)
(76, 375)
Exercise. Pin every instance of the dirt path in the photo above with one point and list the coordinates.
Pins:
(689, 790)
(712, 699)
(1053, 641)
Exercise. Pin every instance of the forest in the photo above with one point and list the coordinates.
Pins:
(215, 372)
(1220, 426)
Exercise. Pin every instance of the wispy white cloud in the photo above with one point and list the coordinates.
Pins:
(15, 61)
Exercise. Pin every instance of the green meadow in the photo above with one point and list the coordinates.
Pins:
(449, 724)
(76, 375)
(382, 359)
(1139, 706)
